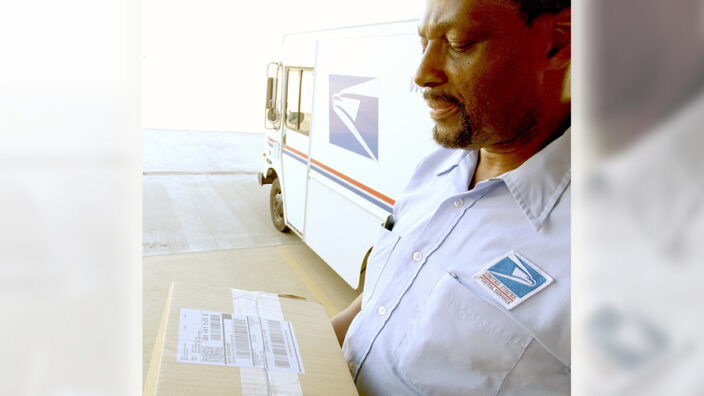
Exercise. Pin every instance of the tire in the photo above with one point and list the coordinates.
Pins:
(276, 207)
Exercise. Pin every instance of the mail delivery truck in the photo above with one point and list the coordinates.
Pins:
(346, 126)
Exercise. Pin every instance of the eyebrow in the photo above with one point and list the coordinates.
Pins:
(442, 26)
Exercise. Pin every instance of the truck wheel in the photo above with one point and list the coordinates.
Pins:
(276, 206)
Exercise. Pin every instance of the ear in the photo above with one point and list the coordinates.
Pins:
(559, 28)
(566, 95)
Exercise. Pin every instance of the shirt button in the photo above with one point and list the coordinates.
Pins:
(417, 256)
(459, 203)
(381, 311)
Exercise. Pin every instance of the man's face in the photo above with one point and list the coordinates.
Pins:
(482, 68)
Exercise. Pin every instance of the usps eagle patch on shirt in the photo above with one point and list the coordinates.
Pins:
(512, 279)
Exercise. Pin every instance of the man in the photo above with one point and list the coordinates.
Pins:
(469, 292)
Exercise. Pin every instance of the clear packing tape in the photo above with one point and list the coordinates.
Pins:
(258, 381)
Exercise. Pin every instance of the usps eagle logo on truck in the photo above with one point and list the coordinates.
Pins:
(354, 114)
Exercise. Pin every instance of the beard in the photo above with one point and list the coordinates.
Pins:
(463, 133)
(459, 135)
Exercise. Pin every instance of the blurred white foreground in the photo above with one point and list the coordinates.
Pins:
(638, 216)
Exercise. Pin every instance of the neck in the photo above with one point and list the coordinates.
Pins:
(503, 157)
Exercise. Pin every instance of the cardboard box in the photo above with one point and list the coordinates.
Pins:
(325, 370)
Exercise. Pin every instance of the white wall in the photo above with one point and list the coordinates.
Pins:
(204, 60)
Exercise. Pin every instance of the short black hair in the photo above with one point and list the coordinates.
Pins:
(531, 9)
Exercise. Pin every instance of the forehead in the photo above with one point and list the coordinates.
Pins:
(443, 15)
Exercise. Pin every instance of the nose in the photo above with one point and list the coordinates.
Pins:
(431, 71)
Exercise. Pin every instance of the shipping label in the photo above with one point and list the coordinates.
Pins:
(223, 339)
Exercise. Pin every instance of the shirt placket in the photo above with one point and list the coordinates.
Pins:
(415, 256)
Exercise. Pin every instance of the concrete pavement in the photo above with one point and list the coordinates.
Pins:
(206, 220)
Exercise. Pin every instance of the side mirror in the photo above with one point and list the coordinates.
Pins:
(295, 117)
(272, 115)
(270, 100)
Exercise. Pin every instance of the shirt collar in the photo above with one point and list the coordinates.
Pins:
(539, 182)
(455, 158)
(536, 185)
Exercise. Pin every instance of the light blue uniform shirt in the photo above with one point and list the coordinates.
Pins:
(427, 326)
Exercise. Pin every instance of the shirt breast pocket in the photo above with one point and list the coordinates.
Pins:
(376, 262)
(458, 344)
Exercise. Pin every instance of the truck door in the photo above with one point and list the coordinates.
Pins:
(295, 158)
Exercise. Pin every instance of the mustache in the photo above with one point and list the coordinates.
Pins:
(431, 96)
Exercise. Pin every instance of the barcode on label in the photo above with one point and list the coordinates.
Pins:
(215, 328)
(213, 354)
(242, 344)
(278, 346)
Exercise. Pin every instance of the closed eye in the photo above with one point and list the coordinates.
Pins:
(462, 46)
